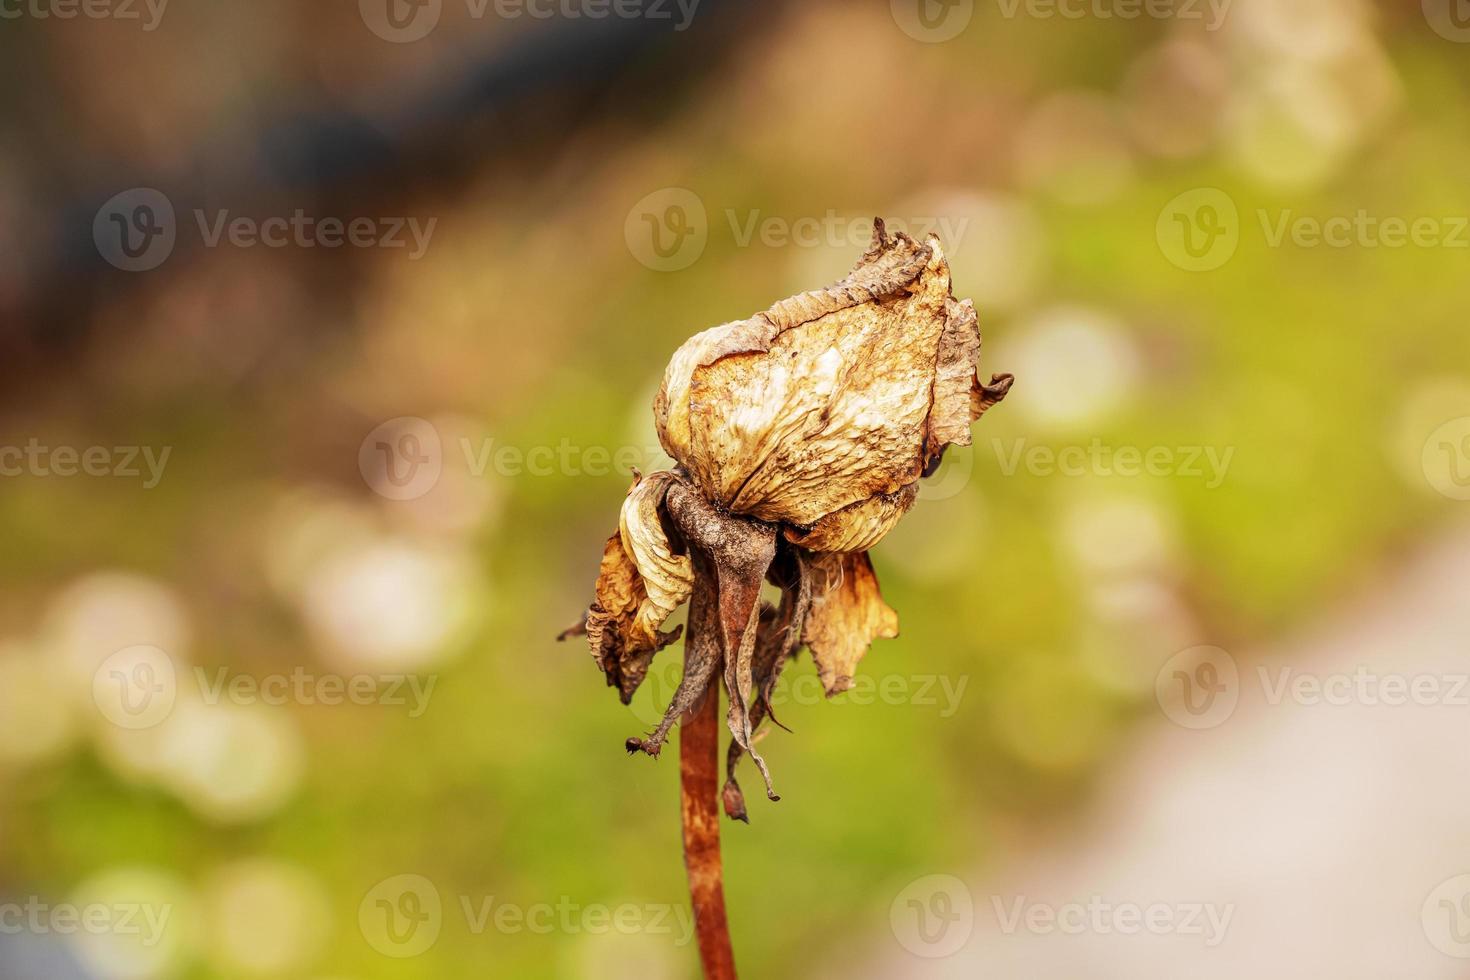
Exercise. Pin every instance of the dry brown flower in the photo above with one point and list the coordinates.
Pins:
(800, 435)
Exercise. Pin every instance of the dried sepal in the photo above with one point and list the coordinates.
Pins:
(847, 613)
(778, 636)
(733, 553)
(640, 582)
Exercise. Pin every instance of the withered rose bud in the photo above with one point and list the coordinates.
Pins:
(801, 434)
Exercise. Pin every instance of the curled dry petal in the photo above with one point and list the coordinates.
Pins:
(858, 527)
(668, 577)
(829, 399)
(847, 613)
(641, 582)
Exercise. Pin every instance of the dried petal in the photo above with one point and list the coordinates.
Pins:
(954, 379)
(640, 583)
(846, 615)
(859, 527)
(667, 577)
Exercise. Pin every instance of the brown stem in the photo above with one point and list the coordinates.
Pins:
(699, 772)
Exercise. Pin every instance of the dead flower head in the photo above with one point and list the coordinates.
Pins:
(801, 435)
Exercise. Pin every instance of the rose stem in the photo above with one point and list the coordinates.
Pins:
(699, 770)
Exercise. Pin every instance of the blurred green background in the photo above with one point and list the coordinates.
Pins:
(1294, 394)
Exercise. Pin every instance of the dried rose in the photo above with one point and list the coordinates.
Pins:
(801, 434)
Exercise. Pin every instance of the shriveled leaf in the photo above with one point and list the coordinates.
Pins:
(847, 613)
